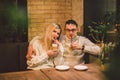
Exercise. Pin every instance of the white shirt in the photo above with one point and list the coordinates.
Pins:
(74, 57)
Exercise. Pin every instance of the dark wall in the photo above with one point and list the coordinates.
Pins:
(13, 35)
(13, 21)
(12, 56)
(118, 12)
(92, 9)
(95, 9)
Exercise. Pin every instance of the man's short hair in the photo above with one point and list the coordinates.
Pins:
(71, 22)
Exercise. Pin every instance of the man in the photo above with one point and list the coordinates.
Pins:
(75, 46)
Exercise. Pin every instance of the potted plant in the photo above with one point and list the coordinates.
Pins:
(98, 31)
(107, 50)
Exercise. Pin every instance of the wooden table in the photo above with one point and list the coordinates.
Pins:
(93, 73)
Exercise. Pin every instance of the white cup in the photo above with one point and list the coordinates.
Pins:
(54, 46)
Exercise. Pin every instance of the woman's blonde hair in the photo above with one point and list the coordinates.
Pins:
(47, 38)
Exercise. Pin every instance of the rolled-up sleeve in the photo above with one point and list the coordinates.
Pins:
(38, 59)
(41, 55)
(93, 49)
(90, 47)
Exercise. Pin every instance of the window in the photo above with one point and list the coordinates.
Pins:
(13, 21)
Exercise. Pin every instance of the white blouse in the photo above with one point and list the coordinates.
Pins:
(41, 59)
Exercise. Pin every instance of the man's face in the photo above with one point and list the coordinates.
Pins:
(70, 30)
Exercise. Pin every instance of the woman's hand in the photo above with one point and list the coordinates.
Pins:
(56, 41)
(30, 52)
(52, 53)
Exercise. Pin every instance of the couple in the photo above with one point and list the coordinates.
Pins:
(52, 49)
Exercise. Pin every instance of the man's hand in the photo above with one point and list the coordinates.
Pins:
(76, 46)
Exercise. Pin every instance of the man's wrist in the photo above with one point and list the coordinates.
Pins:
(83, 47)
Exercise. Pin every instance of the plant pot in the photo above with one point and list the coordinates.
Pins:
(105, 66)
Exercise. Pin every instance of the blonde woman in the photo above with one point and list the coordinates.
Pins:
(41, 52)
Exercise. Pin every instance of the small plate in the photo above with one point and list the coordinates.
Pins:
(80, 67)
(62, 67)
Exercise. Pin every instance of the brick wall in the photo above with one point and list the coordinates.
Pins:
(43, 12)
(77, 13)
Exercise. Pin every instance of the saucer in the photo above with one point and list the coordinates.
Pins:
(62, 67)
(80, 67)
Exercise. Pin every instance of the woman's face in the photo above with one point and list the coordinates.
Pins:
(55, 34)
